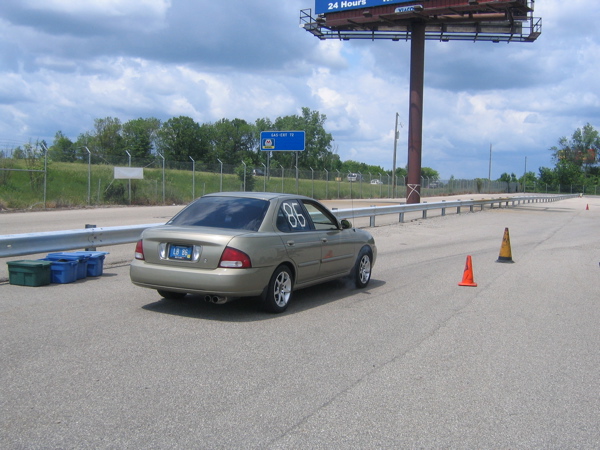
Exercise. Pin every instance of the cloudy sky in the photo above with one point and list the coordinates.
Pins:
(64, 63)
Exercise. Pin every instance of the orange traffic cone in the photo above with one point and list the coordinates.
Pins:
(468, 274)
(587, 207)
(505, 252)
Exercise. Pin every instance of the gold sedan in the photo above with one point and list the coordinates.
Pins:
(248, 244)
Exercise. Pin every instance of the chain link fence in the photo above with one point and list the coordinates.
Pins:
(50, 184)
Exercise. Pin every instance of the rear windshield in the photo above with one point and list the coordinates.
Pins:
(223, 212)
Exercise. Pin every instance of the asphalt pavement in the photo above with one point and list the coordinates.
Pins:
(413, 361)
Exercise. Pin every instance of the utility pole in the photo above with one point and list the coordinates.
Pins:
(395, 148)
(490, 171)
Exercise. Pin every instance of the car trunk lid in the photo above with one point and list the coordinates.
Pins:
(176, 246)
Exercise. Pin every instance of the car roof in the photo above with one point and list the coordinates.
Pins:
(257, 195)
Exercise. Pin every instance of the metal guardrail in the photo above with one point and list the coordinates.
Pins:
(54, 241)
(374, 211)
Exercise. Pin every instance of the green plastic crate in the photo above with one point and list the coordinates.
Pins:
(29, 272)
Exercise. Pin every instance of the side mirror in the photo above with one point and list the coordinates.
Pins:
(346, 224)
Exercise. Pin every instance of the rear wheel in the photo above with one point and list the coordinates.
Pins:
(279, 290)
(169, 295)
(362, 270)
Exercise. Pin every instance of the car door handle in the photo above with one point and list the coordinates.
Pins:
(323, 240)
(290, 243)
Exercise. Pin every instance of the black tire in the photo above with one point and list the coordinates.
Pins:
(362, 269)
(171, 295)
(278, 293)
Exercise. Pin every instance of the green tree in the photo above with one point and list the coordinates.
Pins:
(85, 140)
(364, 169)
(401, 172)
(34, 161)
(568, 173)
(528, 179)
(108, 141)
(547, 176)
(244, 174)
(62, 149)
(139, 136)
(18, 153)
(318, 151)
(580, 150)
(182, 137)
(506, 178)
(233, 141)
(432, 175)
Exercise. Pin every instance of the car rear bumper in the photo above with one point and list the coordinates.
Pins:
(223, 282)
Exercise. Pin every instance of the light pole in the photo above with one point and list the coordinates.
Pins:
(396, 133)
(490, 171)
(244, 175)
(163, 173)
(129, 155)
(525, 176)
(193, 177)
(45, 170)
(221, 182)
(89, 173)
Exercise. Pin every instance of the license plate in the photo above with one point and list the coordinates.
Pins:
(182, 252)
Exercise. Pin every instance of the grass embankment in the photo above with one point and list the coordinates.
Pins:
(71, 185)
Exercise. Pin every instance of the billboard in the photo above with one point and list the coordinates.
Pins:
(328, 6)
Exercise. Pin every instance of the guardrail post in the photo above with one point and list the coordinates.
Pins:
(443, 209)
(471, 207)
(424, 213)
(401, 217)
(458, 209)
(372, 218)
(90, 249)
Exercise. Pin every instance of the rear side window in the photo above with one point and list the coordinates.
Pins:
(223, 212)
(291, 217)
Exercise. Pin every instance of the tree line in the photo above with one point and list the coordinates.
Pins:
(229, 141)
(232, 141)
(576, 159)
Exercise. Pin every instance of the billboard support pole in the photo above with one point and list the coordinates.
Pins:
(415, 116)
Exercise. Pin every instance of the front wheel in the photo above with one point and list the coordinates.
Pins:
(362, 270)
(279, 291)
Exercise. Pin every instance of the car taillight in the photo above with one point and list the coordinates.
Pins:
(234, 259)
(139, 250)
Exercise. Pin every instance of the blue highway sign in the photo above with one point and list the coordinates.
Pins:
(274, 141)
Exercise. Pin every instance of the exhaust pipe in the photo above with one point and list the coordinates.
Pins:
(215, 299)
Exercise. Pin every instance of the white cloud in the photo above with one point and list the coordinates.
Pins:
(65, 63)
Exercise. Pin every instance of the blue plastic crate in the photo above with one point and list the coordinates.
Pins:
(80, 258)
(63, 271)
(95, 264)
